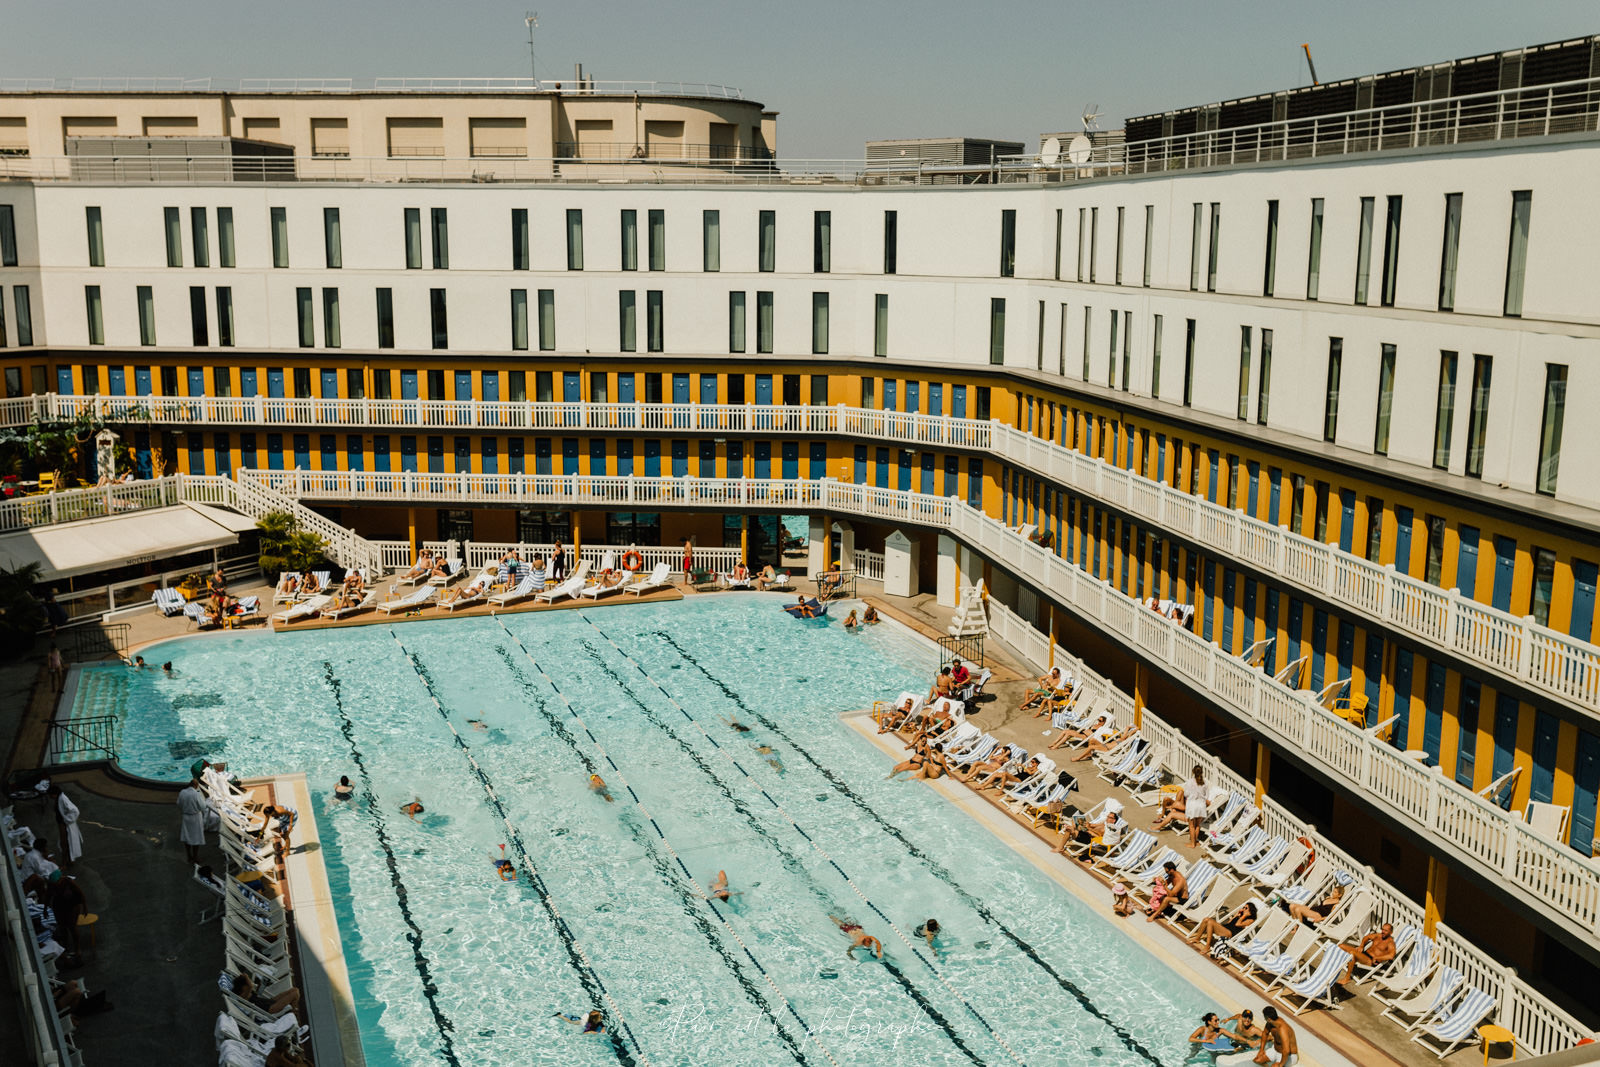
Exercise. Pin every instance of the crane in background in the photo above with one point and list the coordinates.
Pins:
(1310, 64)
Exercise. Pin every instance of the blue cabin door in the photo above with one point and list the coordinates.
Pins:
(763, 389)
(1505, 568)
(791, 459)
(1467, 562)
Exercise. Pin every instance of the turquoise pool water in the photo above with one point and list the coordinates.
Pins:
(450, 964)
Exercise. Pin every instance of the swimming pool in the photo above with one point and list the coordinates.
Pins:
(451, 965)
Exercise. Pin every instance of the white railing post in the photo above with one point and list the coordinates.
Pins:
(1525, 648)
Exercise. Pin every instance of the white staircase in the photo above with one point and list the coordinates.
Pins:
(970, 619)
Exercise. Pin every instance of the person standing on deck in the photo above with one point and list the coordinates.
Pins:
(67, 822)
(193, 808)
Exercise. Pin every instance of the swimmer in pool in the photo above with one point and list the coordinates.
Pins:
(719, 888)
(738, 727)
(859, 938)
(503, 866)
(597, 784)
(771, 757)
(344, 790)
(477, 724)
(592, 1023)
(413, 809)
(928, 931)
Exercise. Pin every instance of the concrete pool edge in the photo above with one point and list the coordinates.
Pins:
(1229, 992)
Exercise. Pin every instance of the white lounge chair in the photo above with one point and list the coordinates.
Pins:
(453, 568)
(605, 587)
(303, 610)
(1426, 1000)
(569, 588)
(659, 578)
(1313, 984)
(416, 599)
(367, 603)
(1410, 969)
(195, 612)
(967, 693)
(473, 592)
(1460, 1026)
(283, 595)
(730, 582)
(420, 571)
(530, 584)
(168, 601)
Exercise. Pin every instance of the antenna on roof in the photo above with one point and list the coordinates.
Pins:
(1090, 115)
(532, 20)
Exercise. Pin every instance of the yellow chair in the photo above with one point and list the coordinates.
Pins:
(1352, 709)
(47, 482)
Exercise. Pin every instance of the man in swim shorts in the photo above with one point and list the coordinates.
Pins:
(597, 784)
(413, 809)
(859, 938)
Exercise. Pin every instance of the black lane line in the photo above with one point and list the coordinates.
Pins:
(586, 976)
(419, 959)
(790, 861)
(1071, 988)
(687, 901)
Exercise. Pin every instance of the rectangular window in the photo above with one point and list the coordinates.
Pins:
(736, 342)
(225, 237)
(1094, 240)
(821, 242)
(8, 236)
(1058, 245)
(332, 245)
(385, 318)
(302, 303)
(147, 313)
(1127, 341)
(1212, 252)
(1038, 355)
(711, 241)
(1155, 360)
(1188, 363)
(1433, 572)
(627, 320)
(1008, 243)
(1450, 252)
(1083, 233)
(1314, 256)
(997, 330)
(19, 297)
(1088, 317)
(1555, 402)
(1118, 267)
(440, 226)
(891, 241)
(519, 239)
(1391, 252)
(199, 236)
(1061, 344)
(630, 239)
(547, 320)
(1269, 276)
(225, 316)
(413, 235)
(97, 236)
(880, 324)
(1364, 250)
(574, 238)
(174, 231)
(819, 324)
(1264, 385)
(519, 320)
(1149, 239)
(1444, 410)
(332, 335)
(1242, 411)
(655, 326)
(1478, 417)
(1330, 404)
(280, 236)
(1517, 250)
(1380, 437)
(198, 327)
(1374, 529)
(1544, 574)
(764, 323)
(767, 242)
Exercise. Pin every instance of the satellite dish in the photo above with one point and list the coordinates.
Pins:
(1079, 150)
(1050, 154)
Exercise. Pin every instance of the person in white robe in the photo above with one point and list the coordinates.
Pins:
(67, 820)
(193, 808)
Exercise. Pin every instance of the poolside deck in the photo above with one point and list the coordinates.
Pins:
(479, 610)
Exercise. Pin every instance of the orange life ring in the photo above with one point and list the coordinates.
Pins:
(1311, 855)
(632, 560)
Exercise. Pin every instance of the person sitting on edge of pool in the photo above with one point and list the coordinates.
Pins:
(859, 938)
(413, 809)
(592, 1023)
(344, 790)
(871, 617)
(928, 931)
(597, 784)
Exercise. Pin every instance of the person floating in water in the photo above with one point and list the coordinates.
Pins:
(720, 890)
(503, 866)
(344, 790)
(771, 757)
(859, 938)
(477, 724)
(597, 784)
(592, 1023)
(413, 809)
(738, 727)
(929, 931)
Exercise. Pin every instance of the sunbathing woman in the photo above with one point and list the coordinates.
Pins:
(859, 938)
(1235, 923)
(768, 577)
(926, 762)
(309, 586)
(895, 716)
(1005, 778)
(1315, 913)
(290, 586)
(1092, 730)
(990, 766)
(1101, 743)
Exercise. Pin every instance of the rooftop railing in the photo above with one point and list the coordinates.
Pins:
(178, 84)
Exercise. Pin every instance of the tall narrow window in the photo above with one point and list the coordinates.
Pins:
(1008, 243)
(1155, 360)
(1380, 437)
(997, 330)
(519, 241)
(1083, 236)
(438, 318)
(332, 246)
(1264, 384)
(97, 236)
(1120, 214)
(1444, 410)
(1188, 363)
(1391, 252)
(225, 237)
(1061, 344)
(547, 320)
(1149, 239)
(1058, 245)
(1330, 403)
(225, 316)
(1111, 354)
(627, 321)
(1094, 241)
(891, 242)
(96, 317)
(711, 240)
(385, 318)
(1450, 252)
(1214, 249)
(880, 324)
(821, 242)
(767, 242)
(280, 236)
(302, 303)
(574, 238)
(198, 326)
(655, 325)
(657, 219)
(1364, 250)
(199, 237)
(1127, 345)
(1314, 256)
(736, 341)
(174, 231)
(440, 226)
(1517, 250)
(519, 320)
(1544, 576)
(24, 306)
(1243, 407)
(332, 332)
(1269, 273)
(1088, 319)
(1478, 417)
(630, 239)
(1039, 338)
(147, 314)
(413, 235)
(1555, 402)
(8, 236)
(819, 324)
(763, 323)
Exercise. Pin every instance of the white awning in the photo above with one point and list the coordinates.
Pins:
(73, 548)
(228, 520)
